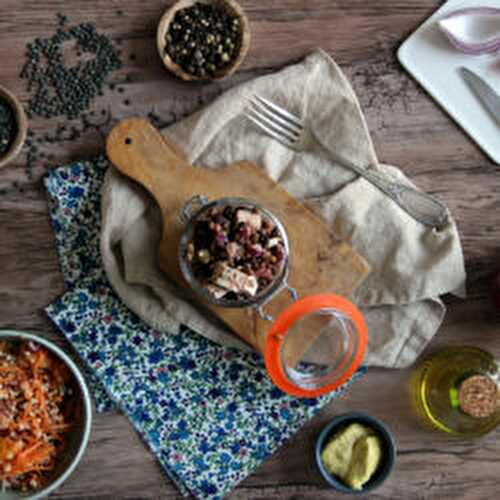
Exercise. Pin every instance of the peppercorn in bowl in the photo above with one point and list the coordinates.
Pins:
(13, 126)
(203, 40)
(45, 416)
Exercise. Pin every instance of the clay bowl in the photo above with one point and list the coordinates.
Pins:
(164, 26)
(22, 127)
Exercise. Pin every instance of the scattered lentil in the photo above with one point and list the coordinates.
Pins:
(204, 39)
(62, 19)
(60, 89)
(160, 123)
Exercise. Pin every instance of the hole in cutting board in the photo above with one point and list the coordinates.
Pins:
(128, 140)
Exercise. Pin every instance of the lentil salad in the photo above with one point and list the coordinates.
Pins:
(36, 410)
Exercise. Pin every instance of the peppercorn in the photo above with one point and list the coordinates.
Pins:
(204, 256)
(199, 33)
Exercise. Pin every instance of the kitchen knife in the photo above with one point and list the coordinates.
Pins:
(483, 91)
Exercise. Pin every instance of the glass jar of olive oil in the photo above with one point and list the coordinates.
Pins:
(456, 391)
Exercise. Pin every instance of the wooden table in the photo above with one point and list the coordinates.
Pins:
(409, 130)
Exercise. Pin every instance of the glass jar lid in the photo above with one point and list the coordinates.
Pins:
(315, 345)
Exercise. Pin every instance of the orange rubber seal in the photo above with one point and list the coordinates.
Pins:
(287, 318)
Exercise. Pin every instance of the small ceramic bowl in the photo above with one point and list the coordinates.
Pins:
(164, 26)
(22, 127)
(388, 450)
(79, 435)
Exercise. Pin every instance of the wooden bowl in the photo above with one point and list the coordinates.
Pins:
(164, 26)
(22, 127)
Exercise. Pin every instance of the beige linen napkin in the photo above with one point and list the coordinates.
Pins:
(412, 264)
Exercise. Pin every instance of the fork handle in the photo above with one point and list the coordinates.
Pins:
(421, 206)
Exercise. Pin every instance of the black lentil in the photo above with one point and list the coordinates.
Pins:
(66, 89)
(62, 19)
(8, 126)
(62, 90)
(204, 39)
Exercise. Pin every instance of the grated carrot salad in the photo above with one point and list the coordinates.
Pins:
(34, 413)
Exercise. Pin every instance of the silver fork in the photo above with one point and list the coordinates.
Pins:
(289, 129)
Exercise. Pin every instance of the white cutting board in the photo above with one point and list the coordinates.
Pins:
(431, 59)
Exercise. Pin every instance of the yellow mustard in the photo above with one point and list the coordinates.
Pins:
(353, 455)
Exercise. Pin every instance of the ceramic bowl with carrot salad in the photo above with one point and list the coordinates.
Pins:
(45, 416)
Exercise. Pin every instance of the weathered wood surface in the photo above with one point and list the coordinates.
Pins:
(409, 130)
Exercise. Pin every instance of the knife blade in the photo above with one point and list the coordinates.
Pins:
(489, 98)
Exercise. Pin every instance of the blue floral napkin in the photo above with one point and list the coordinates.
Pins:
(210, 414)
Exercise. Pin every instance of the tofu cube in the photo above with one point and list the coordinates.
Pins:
(235, 280)
(253, 220)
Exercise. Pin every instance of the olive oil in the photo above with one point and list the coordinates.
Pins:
(439, 391)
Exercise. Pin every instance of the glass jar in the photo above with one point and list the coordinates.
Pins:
(455, 390)
(316, 343)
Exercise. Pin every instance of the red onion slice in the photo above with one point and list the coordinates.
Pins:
(474, 30)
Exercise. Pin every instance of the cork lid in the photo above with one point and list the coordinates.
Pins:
(479, 396)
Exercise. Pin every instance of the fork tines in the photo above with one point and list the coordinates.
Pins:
(274, 120)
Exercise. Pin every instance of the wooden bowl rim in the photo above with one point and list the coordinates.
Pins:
(22, 126)
(167, 18)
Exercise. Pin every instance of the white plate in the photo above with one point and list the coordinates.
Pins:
(431, 59)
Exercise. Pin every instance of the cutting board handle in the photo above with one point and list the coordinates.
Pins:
(140, 152)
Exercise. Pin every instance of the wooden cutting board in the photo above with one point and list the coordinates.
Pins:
(320, 263)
